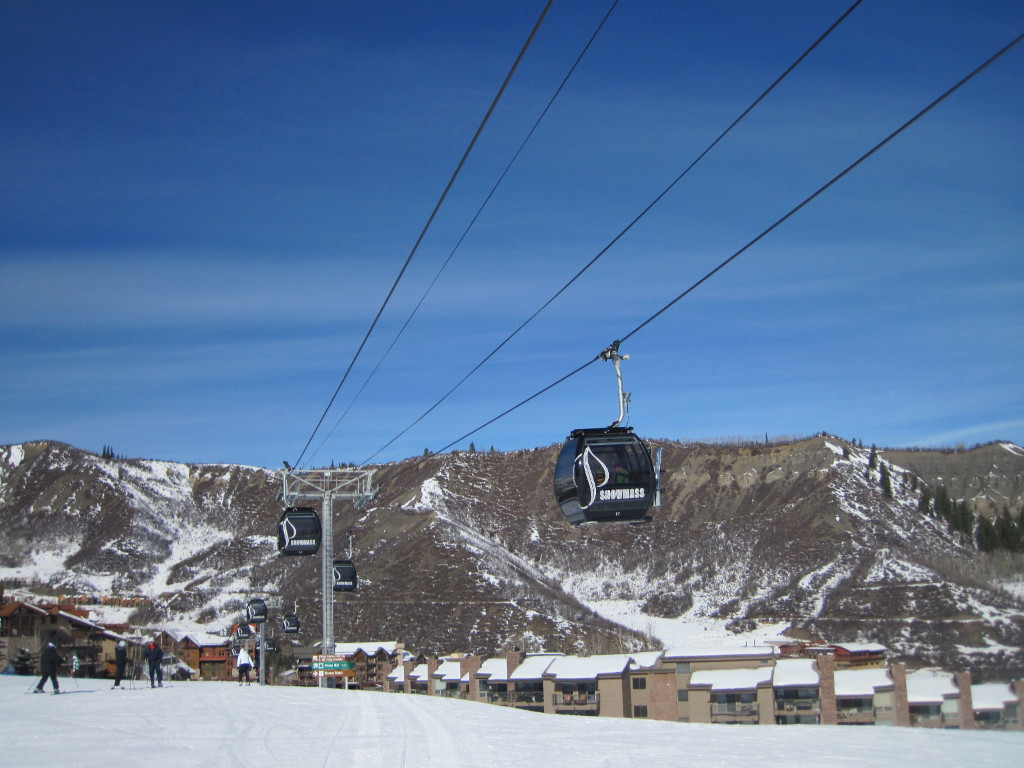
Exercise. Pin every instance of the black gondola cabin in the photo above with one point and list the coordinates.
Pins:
(344, 576)
(605, 475)
(298, 532)
(291, 623)
(256, 611)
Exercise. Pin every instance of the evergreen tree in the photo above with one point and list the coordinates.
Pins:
(962, 520)
(943, 503)
(872, 457)
(472, 447)
(986, 537)
(924, 505)
(24, 662)
(1007, 532)
(885, 481)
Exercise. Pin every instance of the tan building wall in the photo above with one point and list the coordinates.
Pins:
(900, 702)
(700, 705)
(549, 696)
(765, 705)
(1018, 688)
(614, 696)
(826, 664)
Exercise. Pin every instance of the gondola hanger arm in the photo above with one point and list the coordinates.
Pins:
(612, 353)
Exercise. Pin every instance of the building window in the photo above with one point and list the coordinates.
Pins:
(640, 711)
(682, 667)
(682, 695)
(640, 684)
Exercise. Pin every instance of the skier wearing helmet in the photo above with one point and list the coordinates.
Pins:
(120, 662)
(48, 663)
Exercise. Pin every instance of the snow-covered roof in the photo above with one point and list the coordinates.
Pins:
(991, 696)
(533, 667)
(861, 647)
(588, 667)
(496, 670)
(645, 660)
(861, 682)
(791, 673)
(718, 651)
(449, 671)
(369, 647)
(397, 675)
(204, 639)
(930, 686)
(419, 673)
(732, 679)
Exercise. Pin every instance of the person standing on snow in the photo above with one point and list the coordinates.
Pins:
(48, 664)
(244, 665)
(120, 662)
(154, 654)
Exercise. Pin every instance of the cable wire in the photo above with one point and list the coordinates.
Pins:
(623, 232)
(476, 216)
(430, 220)
(761, 236)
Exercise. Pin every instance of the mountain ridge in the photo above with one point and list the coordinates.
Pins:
(468, 551)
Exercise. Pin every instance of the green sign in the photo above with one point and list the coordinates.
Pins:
(330, 666)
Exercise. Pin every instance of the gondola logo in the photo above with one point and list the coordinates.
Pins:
(589, 459)
(288, 532)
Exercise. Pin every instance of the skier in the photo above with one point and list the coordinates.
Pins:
(153, 655)
(75, 665)
(120, 662)
(244, 665)
(48, 663)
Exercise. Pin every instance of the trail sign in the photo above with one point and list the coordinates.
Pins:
(333, 666)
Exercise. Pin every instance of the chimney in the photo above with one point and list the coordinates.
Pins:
(432, 665)
(963, 683)
(900, 699)
(468, 666)
(826, 663)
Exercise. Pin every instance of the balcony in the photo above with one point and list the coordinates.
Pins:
(798, 706)
(855, 715)
(528, 697)
(577, 703)
(721, 712)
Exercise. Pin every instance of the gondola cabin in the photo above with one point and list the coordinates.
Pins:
(243, 631)
(291, 624)
(605, 475)
(270, 645)
(344, 576)
(298, 532)
(256, 611)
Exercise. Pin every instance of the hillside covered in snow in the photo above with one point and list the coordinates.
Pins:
(468, 551)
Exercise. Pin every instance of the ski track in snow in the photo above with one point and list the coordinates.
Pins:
(222, 725)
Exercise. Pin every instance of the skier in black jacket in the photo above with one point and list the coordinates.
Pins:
(48, 663)
(154, 653)
(120, 662)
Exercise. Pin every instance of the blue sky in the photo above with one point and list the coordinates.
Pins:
(205, 204)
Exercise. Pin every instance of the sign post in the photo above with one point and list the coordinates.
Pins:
(333, 665)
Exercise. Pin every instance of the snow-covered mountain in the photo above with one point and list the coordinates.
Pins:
(468, 551)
